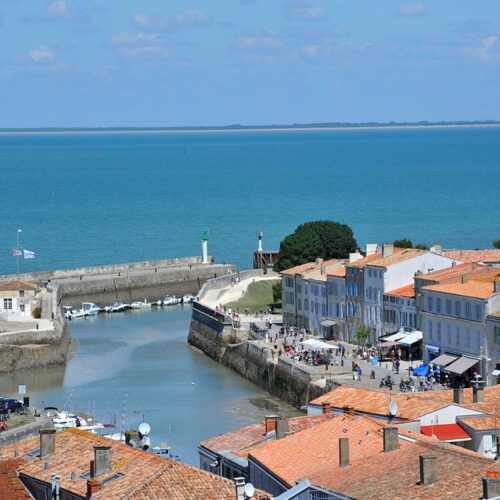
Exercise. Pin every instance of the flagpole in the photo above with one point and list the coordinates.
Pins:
(17, 256)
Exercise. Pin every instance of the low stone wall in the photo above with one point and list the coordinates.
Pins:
(225, 281)
(25, 431)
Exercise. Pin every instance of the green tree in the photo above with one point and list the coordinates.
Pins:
(496, 244)
(404, 243)
(362, 333)
(421, 246)
(324, 239)
(277, 292)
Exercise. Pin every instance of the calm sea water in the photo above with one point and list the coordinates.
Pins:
(94, 199)
(142, 358)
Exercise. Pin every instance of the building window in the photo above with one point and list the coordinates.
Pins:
(429, 304)
(448, 307)
(448, 334)
(497, 334)
(299, 288)
(468, 310)
(457, 332)
(289, 282)
(439, 332)
(478, 312)
(22, 308)
(323, 310)
(438, 305)
(306, 304)
(478, 339)
(7, 304)
(458, 309)
(299, 304)
(21, 293)
(430, 329)
(467, 338)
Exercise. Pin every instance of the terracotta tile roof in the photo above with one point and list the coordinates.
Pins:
(481, 423)
(240, 440)
(145, 475)
(410, 405)
(397, 257)
(472, 288)
(301, 455)
(339, 272)
(396, 474)
(11, 486)
(445, 432)
(451, 273)
(405, 291)
(365, 260)
(311, 266)
(486, 256)
(17, 285)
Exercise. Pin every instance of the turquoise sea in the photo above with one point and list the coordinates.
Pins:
(86, 199)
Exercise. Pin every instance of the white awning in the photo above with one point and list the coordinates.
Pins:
(495, 373)
(394, 337)
(412, 338)
(461, 365)
(329, 322)
(317, 344)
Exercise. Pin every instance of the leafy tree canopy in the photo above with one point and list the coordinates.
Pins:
(421, 246)
(362, 333)
(404, 243)
(319, 239)
(277, 292)
(496, 244)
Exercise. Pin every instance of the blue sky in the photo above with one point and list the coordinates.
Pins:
(175, 63)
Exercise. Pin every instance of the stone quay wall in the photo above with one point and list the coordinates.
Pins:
(214, 334)
(151, 280)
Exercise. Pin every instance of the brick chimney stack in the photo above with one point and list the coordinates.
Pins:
(47, 442)
(344, 452)
(390, 439)
(102, 459)
(458, 396)
(270, 423)
(282, 427)
(478, 391)
(428, 470)
(326, 408)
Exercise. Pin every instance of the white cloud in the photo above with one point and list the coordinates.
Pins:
(412, 10)
(140, 46)
(300, 10)
(488, 50)
(59, 10)
(259, 41)
(42, 53)
(191, 18)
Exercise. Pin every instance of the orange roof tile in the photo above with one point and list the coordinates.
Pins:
(145, 475)
(396, 475)
(482, 422)
(405, 291)
(486, 256)
(17, 285)
(310, 266)
(472, 288)
(339, 272)
(365, 260)
(397, 257)
(450, 272)
(11, 486)
(242, 439)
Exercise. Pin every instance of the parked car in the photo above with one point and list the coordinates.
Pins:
(7, 404)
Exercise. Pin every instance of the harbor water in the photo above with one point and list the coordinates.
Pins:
(137, 366)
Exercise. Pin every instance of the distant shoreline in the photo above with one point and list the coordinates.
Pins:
(243, 129)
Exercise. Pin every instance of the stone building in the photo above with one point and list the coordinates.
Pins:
(17, 300)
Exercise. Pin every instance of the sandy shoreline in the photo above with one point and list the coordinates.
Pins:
(216, 130)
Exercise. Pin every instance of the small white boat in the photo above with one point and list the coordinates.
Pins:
(162, 449)
(116, 307)
(141, 305)
(188, 298)
(72, 313)
(64, 420)
(90, 309)
(172, 301)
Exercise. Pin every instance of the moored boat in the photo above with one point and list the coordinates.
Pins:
(141, 305)
(171, 301)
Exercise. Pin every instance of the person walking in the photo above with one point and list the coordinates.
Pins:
(360, 372)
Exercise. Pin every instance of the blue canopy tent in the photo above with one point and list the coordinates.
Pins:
(421, 371)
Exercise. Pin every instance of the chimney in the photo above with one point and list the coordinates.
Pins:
(326, 408)
(47, 442)
(465, 278)
(282, 427)
(349, 410)
(270, 423)
(343, 452)
(437, 248)
(458, 396)
(93, 487)
(387, 250)
(353, 257)
(102, 459)
(318, 260)
(454, 263)
(478, 391)
(371, 248)
(239, 484)
(496, 286)
(428, 470)
(491, 486)
(390, 439)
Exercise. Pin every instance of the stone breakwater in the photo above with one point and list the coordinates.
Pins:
(213, 333)
(151, 280)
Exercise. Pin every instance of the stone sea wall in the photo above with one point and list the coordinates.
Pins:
(216, 337)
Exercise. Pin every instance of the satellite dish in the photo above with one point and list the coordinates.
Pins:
(249, 490)
(144, 429)
(393, 408)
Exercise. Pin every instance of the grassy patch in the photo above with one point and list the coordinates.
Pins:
(17, 420)
(258, 297)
